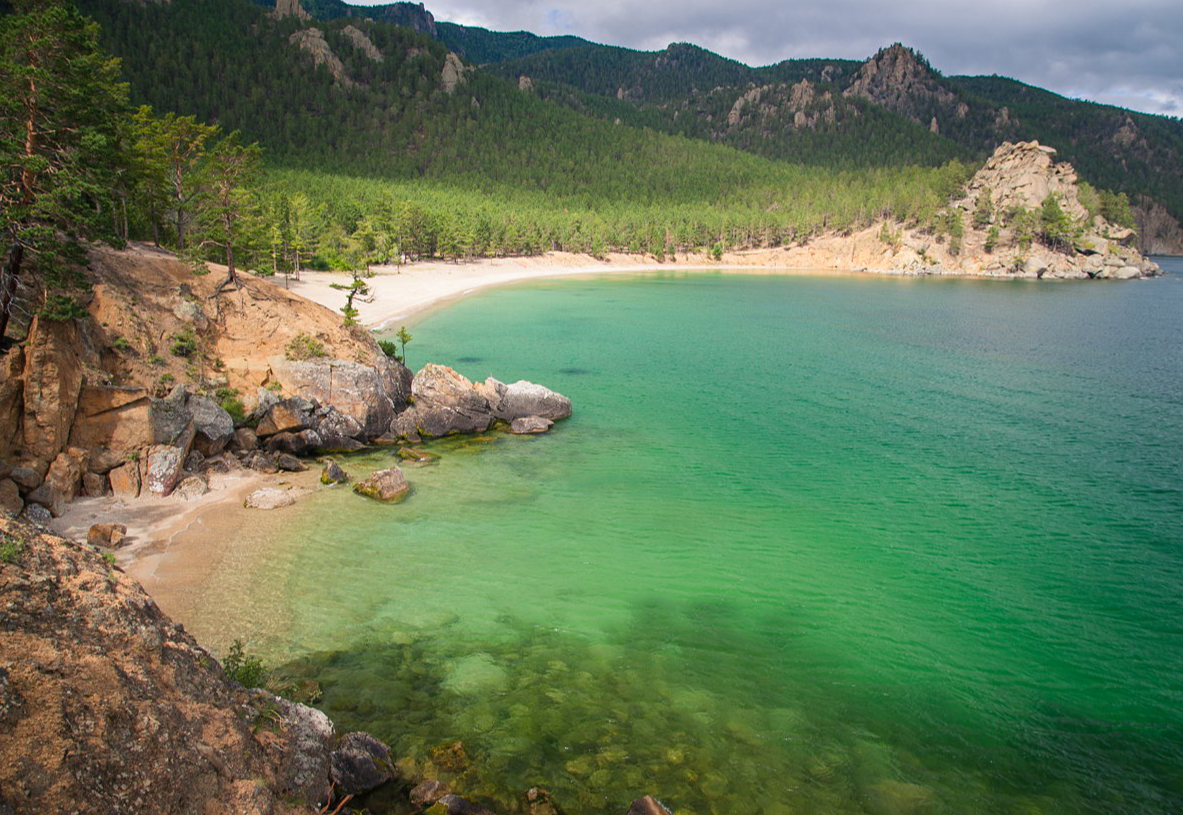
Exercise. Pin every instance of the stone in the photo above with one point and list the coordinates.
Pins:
(264, 401)
(493, 390)
(359, 764)
(262, 462)
(333, 474)
(94, 485)
(106, 535)
(1126, 273)
(451, 757)
(53, 374)
(165, 466)
(289, 416)
(27, 478)
(530, 425)
(426, 793)
(339, 432)
(416, 456)
(369, 394)
(10, 497)
(114, 417)
(269, 498)
(125, 480)
(452, 804)
(306, 765)
(37, 515)
(191, 488)
(213, 426)
(62, 482)
(171, 422)
(524, 399)
(388, 486)
(445, 404)
(244, 439)
(647, 806)
(303, 443)
(289, 463)
(103, 460)
(193, 461)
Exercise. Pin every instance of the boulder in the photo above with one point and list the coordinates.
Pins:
(1126, 273)
(333, 474)
(522, 399)
(539, 801)
(171, 422)
(37, 515)
(361, 763)
(213, 426)
(261, 462)
(106, 535)
(94, 485)
(306, 766)
(369, 394)
(530, 425)
(191, 488)
(115, 417)
(387, 486)
(193, 461)
(125, 480)
(103, 460)
(647, 806)
(264, 401)
(54, 366)
(165, 468)
(445, 403)
(27, 477)
(426, 793)
(289, 463)
(493, 390)
(244, 439)
(10, 497)
(303, 443)
(63, 481)
(289, 416)
(269, 498)
(338, 431)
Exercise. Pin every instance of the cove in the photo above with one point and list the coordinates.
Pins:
(808, 545)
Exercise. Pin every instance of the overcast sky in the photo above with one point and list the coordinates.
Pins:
(1122, 52)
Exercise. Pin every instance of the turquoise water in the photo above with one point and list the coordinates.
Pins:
(808, 545)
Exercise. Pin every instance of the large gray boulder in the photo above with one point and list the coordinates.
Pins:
(213, 427)
(522, 399)
(445, 404)
(288, 416)
(339, 432)
(370, 394)
(171, 420)
(306, 764)
(387, 486)
(166, 466)
(361, 763)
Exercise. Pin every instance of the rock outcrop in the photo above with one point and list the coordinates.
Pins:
(290, 8)
(900, 80)
(453, 73)
(312, 42)
(1159, 233)
(107, 706)
(362, 42)
(446, 403)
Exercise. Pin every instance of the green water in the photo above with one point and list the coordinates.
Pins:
(808, 545)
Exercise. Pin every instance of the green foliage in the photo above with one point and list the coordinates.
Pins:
(717, 251)
(11, 549)
(229, 399)
(62, 308)
(1115, 207)
(403, 336)
(303, 347)
(184, 343)
(891, 237)
(992, 236)
(984, 210)
(357, 290)
(247, 670)
(1025, 225)
(120, 343)
(389, 348)
(1056, 227)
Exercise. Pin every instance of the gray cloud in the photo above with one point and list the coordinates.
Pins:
(1124, 53)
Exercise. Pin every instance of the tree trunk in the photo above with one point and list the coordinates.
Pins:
(9, 276)
(155, 222)
(179, 193)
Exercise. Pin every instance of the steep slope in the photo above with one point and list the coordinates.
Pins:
(480, 46)
(107, 706)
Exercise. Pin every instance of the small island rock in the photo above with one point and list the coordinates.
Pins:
(387, 486)
(333, 474)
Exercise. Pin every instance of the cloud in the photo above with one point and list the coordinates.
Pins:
(1119, 53)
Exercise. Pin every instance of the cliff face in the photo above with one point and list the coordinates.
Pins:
(1158, 232)
(897, 79)
(106, 706)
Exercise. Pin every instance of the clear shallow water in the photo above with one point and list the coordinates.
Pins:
(809, 545)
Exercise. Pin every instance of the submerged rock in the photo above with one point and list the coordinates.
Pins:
(388, 486)
(647, 806)
(269, 498)
(426, 793)
(530, 426)
(416, 456)
(333, 474)
(452, 804)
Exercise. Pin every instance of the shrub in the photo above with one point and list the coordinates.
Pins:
(992, 238)
(11, 549)
(61, 308)
(184, 343)
(228, 399)
(303, 347)
(717, 251)
(389, 347)
(120, 343)
(248, 671)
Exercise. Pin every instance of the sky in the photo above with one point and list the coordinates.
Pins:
(1120, 52)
